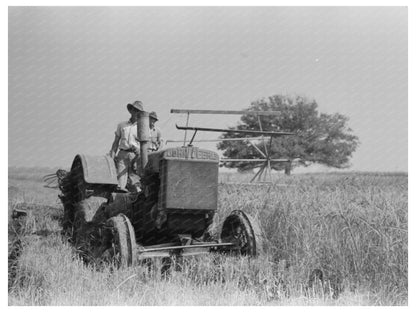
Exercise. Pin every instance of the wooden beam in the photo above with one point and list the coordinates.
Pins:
(224, 112)
(220, 140)
(259, 150)
(258, 174)
(254, 160)
(271, 133)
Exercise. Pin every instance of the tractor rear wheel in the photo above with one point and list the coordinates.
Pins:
(79, 186)
(84, 228)
(68, 218)
(87, 208)
(244, 231)
(119, 240)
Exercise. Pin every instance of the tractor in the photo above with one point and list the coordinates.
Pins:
(170, 216)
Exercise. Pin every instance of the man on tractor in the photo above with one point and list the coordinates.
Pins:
(156, 141)
(128, 147)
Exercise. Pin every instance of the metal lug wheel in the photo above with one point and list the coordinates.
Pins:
(79, 185)
(85, 212)
(119, 241)
(244, 231)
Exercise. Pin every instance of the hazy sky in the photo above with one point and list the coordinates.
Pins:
(73, 70)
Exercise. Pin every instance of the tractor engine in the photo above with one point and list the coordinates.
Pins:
(179, 194)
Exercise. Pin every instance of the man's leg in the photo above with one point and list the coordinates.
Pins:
(133, 169)
(122, 162)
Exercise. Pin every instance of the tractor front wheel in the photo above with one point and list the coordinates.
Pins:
(119, 241)
(244, 231)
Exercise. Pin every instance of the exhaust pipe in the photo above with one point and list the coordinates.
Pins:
(143, 137)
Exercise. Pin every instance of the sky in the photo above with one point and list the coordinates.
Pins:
(72, 71)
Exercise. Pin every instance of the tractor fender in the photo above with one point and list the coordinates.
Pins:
(96, 169)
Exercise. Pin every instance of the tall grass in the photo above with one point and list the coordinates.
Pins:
(352, 227)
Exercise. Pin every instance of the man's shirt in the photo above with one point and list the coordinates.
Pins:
(127, 131)
(155, 139)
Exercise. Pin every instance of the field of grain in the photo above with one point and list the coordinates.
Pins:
(353, 227)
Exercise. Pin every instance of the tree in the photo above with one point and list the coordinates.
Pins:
(320, 138)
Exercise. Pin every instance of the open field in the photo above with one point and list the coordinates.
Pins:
(351, 226)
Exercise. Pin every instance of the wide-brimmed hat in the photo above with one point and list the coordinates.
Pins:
(136, 105)
(153, 115)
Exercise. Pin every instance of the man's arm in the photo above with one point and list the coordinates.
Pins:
(159, 139)
(114, 147)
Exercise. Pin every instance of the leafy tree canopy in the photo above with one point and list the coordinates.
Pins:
(320, 138)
